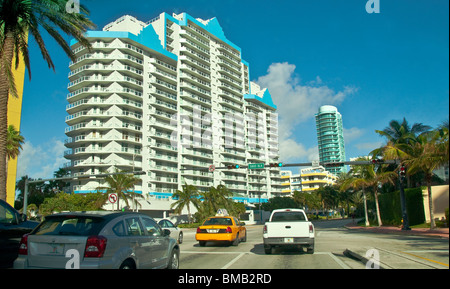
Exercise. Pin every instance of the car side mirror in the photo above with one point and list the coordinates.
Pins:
(22, 218)
(166, 232)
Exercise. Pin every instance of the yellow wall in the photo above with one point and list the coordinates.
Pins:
(14, 114)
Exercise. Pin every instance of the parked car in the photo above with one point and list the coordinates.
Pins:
(175, 232)
(221, 228)
(98, 239)
(13, 226)
(288, 228)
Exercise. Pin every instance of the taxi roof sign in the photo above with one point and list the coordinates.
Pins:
(222, 212)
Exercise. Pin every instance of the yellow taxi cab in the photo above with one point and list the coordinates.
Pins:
(221, 228)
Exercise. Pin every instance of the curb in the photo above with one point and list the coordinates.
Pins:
(398, 232)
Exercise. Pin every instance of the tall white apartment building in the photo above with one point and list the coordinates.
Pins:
(170, 97)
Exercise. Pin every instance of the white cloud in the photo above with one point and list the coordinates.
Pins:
(351, 134)
(296, 104)
(41, 161)
(296, 152)
(369, 146)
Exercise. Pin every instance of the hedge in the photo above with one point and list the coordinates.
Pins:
(390, 206)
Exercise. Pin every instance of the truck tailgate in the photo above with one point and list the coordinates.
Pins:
(290, 229)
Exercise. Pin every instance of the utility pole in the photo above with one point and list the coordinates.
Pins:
(401, 178)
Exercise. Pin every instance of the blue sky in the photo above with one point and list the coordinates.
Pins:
(372, 67)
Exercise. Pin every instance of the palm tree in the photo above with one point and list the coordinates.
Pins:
(329, 197)
(369, 176)
(398, 132)
(13, 143)
(426, 155)
(122, 184)
(184, 198)
(214, 199)
(18, 18)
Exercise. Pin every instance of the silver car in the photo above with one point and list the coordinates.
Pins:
(99, 239)
(174, 230)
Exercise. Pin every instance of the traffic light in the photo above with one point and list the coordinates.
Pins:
(402, 171)
(274, 165)
(334, 164)
(230, 167)
(377, 161)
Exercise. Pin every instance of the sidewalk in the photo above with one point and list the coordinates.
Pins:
(438, 232)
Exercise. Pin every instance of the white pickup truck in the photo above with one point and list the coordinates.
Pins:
(288, 228)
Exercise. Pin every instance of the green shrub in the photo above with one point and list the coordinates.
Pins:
(391, 212)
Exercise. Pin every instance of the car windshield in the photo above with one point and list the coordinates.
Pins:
(218, 221)
(288, 217)
(70, 225)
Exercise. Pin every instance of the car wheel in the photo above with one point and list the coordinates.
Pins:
(127, 264)
(174, 261)
(268, 250)
(236, 241)
(180, 238)
(202, 243)
(310, 250)
(245, 237)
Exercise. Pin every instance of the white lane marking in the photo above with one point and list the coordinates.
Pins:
(339, 261)
(233, 261)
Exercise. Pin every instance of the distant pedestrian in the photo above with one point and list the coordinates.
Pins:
(353, 218)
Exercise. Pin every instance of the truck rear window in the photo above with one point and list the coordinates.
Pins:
(70, 225)
(288, 217)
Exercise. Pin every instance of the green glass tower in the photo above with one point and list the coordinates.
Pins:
(330, 137)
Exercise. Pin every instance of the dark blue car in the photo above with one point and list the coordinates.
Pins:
(13, 226)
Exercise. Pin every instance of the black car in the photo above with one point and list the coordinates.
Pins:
(13, 226)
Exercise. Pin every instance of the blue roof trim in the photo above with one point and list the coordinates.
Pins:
(101, 191)
(266, 99)
(212, 27)
(147, 37)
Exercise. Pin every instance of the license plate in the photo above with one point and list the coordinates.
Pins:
(212, 230)
(289, 240)
(56, 249)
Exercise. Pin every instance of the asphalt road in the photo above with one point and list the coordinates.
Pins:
(332, 239)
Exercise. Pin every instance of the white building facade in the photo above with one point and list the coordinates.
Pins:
(170, 97)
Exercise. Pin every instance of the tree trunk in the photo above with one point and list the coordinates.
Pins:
(6, 61)
(189, 214)
(378, 209)
(365, 209)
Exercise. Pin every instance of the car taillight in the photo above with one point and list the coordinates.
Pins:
(95, 247)
(228, 230)
(311, 229)
(198, 230)
(23, 246)
(265, 229)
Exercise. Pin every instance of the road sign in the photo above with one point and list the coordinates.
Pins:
(212, 168)
(112, 198)
(256, 166)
